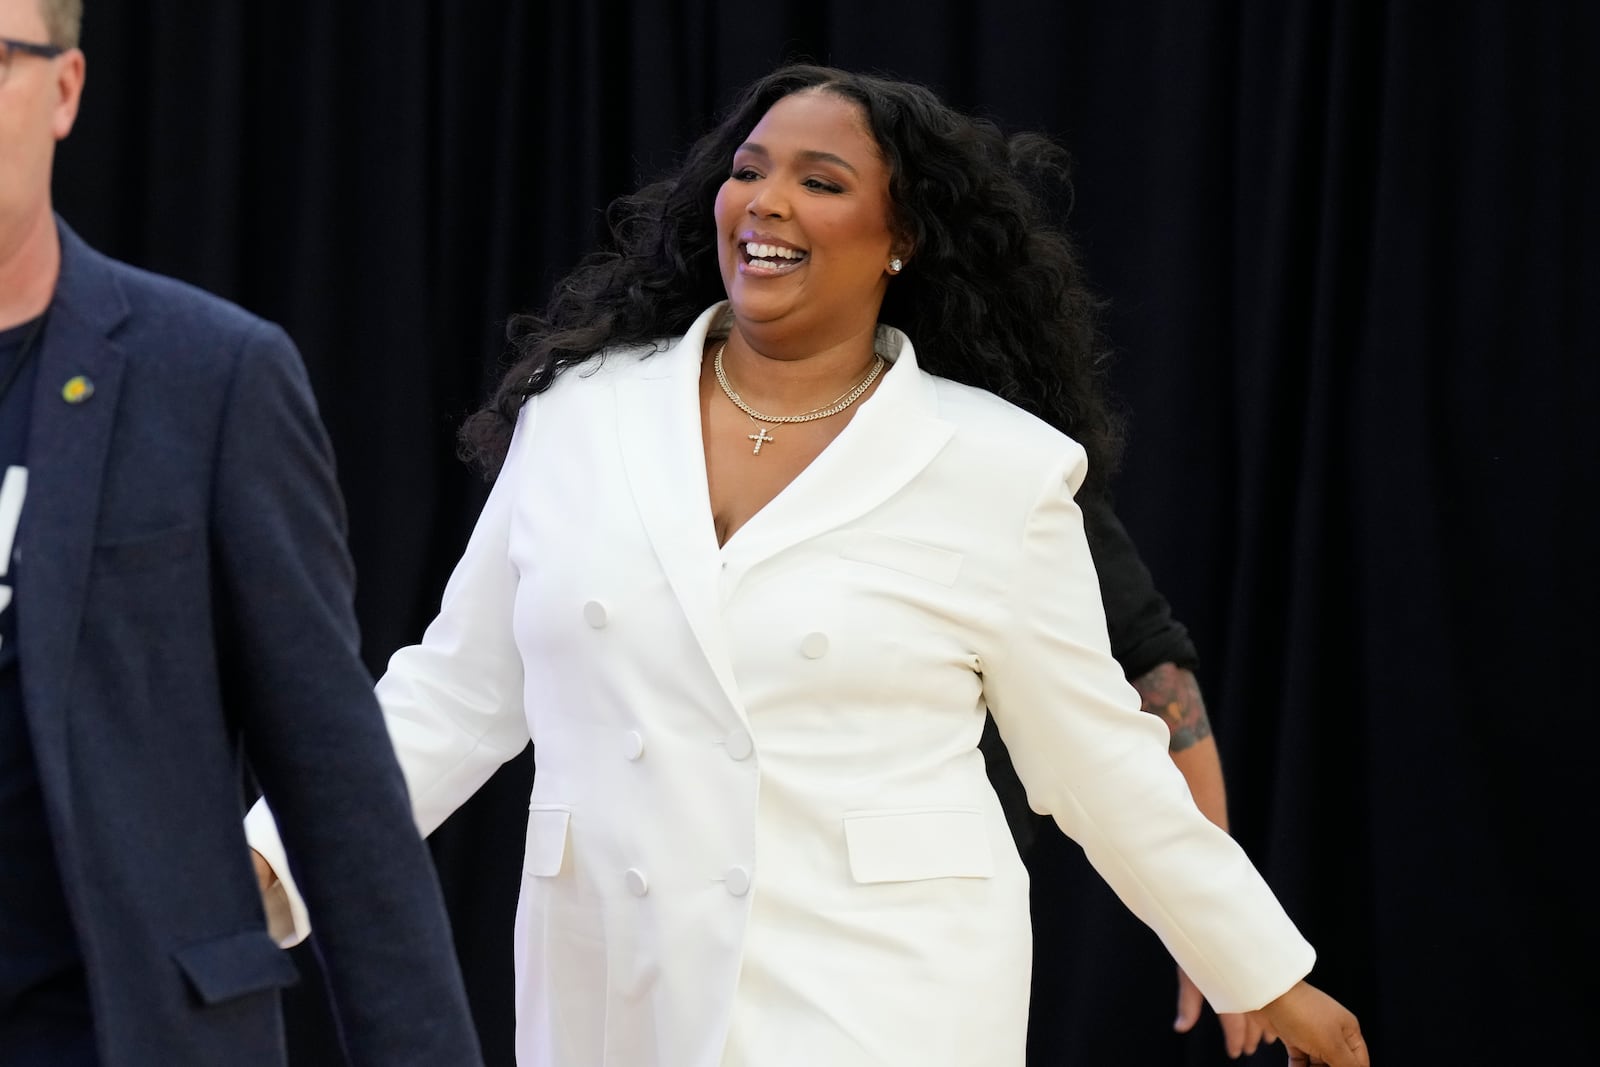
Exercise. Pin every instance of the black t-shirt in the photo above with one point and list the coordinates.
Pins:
(43, 1005)
(17, 384)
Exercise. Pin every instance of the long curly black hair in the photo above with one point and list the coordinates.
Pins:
(992, 295)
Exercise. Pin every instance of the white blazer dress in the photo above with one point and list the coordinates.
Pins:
(760, 832)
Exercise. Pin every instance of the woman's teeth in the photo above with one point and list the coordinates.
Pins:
(764, 255)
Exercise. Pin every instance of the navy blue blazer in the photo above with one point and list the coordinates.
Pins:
(184, 600)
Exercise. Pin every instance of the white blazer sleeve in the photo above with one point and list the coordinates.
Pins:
(452, 704)
(1092, 759)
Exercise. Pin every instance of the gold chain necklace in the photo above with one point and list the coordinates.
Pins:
(761, 437)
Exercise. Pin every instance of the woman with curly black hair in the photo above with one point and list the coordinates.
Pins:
(785, 506)
(997, 300)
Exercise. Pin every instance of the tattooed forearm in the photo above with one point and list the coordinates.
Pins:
(1172, 694)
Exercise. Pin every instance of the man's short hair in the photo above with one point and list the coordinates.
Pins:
(65, 20)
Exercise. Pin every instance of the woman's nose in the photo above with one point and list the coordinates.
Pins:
(766, 203)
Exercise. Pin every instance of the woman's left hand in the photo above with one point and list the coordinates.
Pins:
(1317, 1030)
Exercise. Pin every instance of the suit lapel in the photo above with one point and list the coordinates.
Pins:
(895, 434)
(658, 422)
(68, 445)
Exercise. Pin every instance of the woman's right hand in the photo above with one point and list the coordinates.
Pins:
(266, 877)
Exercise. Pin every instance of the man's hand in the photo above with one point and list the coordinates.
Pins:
(1242, 1034)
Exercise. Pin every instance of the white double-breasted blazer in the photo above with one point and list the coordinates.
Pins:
(761, 832)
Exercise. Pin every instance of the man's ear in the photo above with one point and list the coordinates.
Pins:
(70, 72)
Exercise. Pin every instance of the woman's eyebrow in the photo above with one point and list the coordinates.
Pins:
(808, 155)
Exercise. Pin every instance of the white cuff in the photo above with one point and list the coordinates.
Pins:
(287, 921)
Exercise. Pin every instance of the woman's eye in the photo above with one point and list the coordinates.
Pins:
(822, 185)
(744, 174)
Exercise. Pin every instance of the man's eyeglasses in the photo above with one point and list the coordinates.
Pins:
(10, 50)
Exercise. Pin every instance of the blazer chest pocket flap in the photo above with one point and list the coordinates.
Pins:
(146, 551)
(908, 557)
(917, 844)
(546, 846)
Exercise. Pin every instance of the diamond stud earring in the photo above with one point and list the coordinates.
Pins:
(895, 265)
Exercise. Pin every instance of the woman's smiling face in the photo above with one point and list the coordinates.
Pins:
(805, 221)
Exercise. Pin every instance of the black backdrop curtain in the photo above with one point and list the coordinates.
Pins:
(1349, 254)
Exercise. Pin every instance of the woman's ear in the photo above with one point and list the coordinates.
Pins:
(903, 232)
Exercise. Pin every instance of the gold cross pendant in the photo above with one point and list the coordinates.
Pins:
(760, 438)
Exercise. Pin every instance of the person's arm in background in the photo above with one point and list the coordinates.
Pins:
(1158, 656)
(1172, 693)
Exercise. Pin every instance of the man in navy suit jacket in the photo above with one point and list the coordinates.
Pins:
(175, 599)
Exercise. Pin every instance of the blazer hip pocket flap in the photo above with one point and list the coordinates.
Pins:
(910, 845)
(546, 847)
(235, 965)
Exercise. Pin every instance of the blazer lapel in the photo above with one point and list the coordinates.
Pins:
(68, 444)
(658, 422)
(895, 434)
